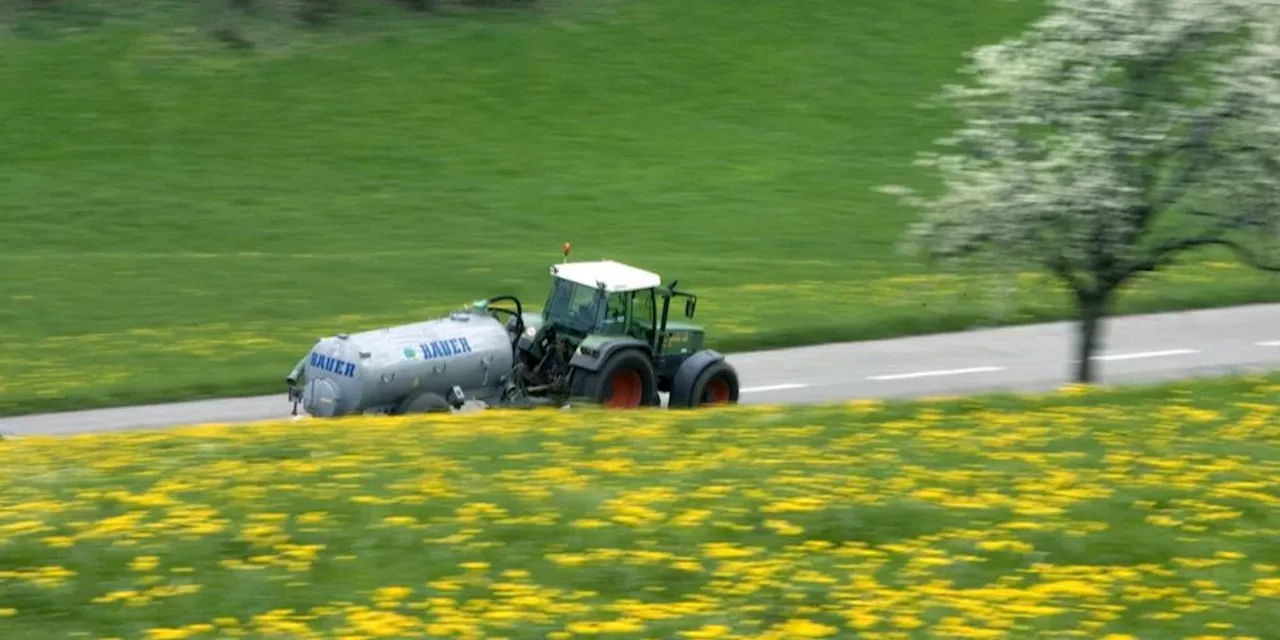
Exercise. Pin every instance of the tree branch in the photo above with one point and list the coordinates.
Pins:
(1164, 254)
(1200, 149)
(1059, 266)
(1149, 69)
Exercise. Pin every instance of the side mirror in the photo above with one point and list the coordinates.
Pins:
(689, 305)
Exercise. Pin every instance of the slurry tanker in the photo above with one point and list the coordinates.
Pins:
(604, 336)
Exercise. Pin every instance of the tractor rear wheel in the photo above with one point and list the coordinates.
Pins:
(626, 381)
(716, 384)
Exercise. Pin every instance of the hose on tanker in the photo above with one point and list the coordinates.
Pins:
(295, 394)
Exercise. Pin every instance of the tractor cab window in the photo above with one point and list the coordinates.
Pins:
(644, 315)
(574, 306)
(616, 311)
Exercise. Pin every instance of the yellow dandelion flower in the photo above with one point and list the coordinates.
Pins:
(1266, 588)
(394, 594)
(707, 631)
(144, 563)
(804, 628)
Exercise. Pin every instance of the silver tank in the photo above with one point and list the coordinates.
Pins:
(348, 374)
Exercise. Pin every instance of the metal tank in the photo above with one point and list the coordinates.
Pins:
(379, 370)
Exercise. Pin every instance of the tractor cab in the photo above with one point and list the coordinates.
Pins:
(610, 299)
(604, 297)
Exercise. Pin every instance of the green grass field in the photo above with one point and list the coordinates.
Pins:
(1144, 513)
(183, 221)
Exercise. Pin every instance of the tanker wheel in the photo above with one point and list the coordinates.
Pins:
(716, 385)
(626, 381)
(424, 402)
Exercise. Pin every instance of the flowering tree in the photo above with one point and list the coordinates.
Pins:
(1110, 138)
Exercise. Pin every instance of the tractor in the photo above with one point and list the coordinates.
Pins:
(605, 335)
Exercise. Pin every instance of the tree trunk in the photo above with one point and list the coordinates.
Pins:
(1093, 309)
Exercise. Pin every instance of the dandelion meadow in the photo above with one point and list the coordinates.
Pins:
(1152, 513)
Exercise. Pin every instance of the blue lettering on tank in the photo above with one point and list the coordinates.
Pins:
(333, 365)
(444, 348)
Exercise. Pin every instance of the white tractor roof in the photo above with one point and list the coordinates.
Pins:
(615, 276)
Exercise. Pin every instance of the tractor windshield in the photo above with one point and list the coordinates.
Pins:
(574, 306)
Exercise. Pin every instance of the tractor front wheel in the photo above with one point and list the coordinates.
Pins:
(716, 384)
(626, 381)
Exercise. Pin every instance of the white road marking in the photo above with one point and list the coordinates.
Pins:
(1271, 343)
(772, 387)
(942, 372)
(1147, 354)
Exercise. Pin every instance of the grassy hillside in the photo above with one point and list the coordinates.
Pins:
(182, 219)
(1145, 513)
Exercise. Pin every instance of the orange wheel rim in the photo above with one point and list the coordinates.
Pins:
(717, 392)
(625, 391)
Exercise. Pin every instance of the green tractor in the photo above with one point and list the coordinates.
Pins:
(605, 336)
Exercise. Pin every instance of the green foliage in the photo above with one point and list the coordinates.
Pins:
(183, 221)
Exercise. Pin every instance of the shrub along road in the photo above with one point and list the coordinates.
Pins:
(1147, 348)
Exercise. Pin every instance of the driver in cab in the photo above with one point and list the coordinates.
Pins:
(615, 315)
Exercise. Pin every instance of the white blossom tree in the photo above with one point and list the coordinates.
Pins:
(1109, 139)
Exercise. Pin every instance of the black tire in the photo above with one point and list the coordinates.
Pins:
(716, 384)
(423, 402)
(630, 372)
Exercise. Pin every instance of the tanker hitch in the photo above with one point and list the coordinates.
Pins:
(541, 371)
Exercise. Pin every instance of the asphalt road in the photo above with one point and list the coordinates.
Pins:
(1147, 348)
